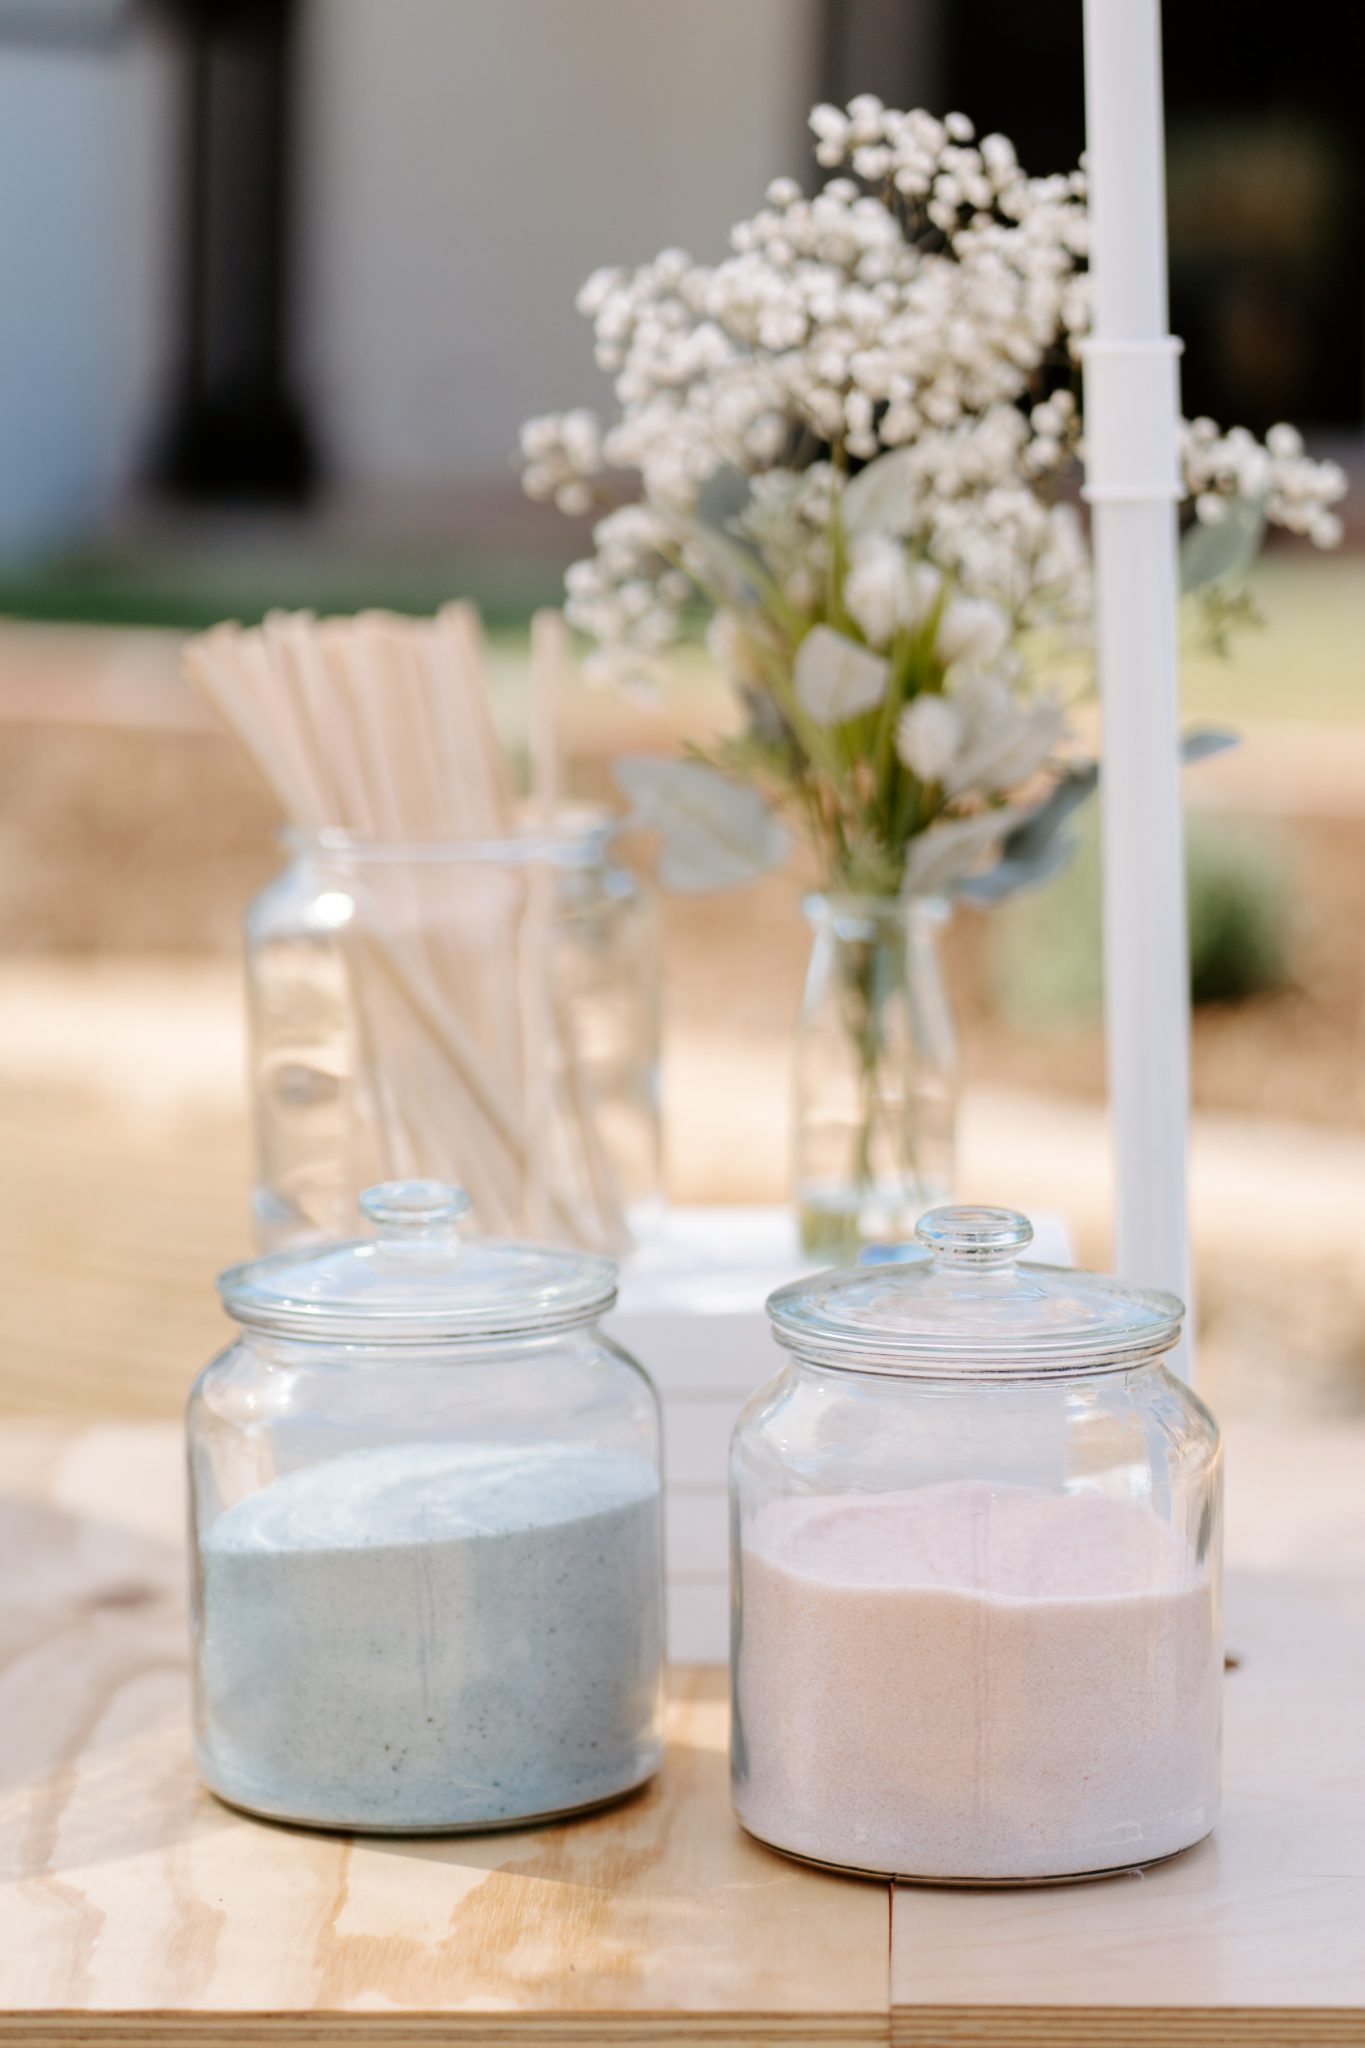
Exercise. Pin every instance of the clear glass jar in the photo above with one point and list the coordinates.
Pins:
(876, 1073)
(425, 1516)
(976, 1531)
(486, 1013)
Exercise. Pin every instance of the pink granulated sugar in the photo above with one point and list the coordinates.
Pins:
(974, 1681)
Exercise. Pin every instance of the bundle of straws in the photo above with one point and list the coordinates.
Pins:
(377, 736)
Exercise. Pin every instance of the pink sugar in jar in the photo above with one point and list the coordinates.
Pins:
(977, 1528)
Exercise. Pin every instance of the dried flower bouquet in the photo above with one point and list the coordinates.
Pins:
(857, 440)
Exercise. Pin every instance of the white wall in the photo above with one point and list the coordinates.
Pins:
(84, 130)
(465, 164)
(468, 162)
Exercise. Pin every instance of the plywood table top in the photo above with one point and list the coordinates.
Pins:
(135, 1909)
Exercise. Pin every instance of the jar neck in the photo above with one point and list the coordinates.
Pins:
(298, 1354)
(1064, 1376)
(874, 920)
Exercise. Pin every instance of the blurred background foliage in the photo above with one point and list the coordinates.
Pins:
(1047, 947)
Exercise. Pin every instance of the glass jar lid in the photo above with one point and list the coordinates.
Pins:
(417, 1279)
(966, 1302)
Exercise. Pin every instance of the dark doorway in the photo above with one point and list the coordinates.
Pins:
(236, 429)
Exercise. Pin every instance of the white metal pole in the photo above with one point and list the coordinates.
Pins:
(1132, 467)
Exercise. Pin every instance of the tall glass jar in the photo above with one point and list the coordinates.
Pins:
(479, 1012)
(876, 1073)
(426, 1542)
(976, 1557)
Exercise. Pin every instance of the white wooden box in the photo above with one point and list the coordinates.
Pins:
(691, 1310)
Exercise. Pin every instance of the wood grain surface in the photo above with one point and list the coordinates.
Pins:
(135, 1909)
(126, 1890)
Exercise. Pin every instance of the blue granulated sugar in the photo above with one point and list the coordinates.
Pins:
(434, 1636)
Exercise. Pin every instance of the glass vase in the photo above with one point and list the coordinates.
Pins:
(876, 1074)
(483, 1013)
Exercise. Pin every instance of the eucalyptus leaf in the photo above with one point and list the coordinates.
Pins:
(941, 856)
(766, 721)
(1202, 742)
(1224, 551)
(715, 833)
(1014, 877)
(1011, 749)
(1039, 847)
(835, 678)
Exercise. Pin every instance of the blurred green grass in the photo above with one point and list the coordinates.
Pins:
(1046, 964)
(1308, 662)
(149, 585)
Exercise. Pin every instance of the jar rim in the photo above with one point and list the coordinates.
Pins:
(302, 1322)
(580, 844)
(966, 1366)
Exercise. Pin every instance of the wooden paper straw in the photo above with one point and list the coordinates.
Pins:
(381, 727)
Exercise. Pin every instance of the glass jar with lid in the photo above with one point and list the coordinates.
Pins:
(425, 1517)
(977, 1541)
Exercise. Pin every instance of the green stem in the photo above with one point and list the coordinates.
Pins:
(871, 987)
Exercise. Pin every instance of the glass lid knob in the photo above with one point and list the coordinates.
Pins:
(415, 1212)
(975, 1237)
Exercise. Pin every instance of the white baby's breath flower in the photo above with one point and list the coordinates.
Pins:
(830, 127)
(836, 679)
(1292, 489)
(539, 436)
(560, 452)
(838, 327)
(626, 670)
(929, 733)
(598, 290)
(865, 112)
(997, 153)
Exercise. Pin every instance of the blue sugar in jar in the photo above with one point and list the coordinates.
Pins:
(427, 1570)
